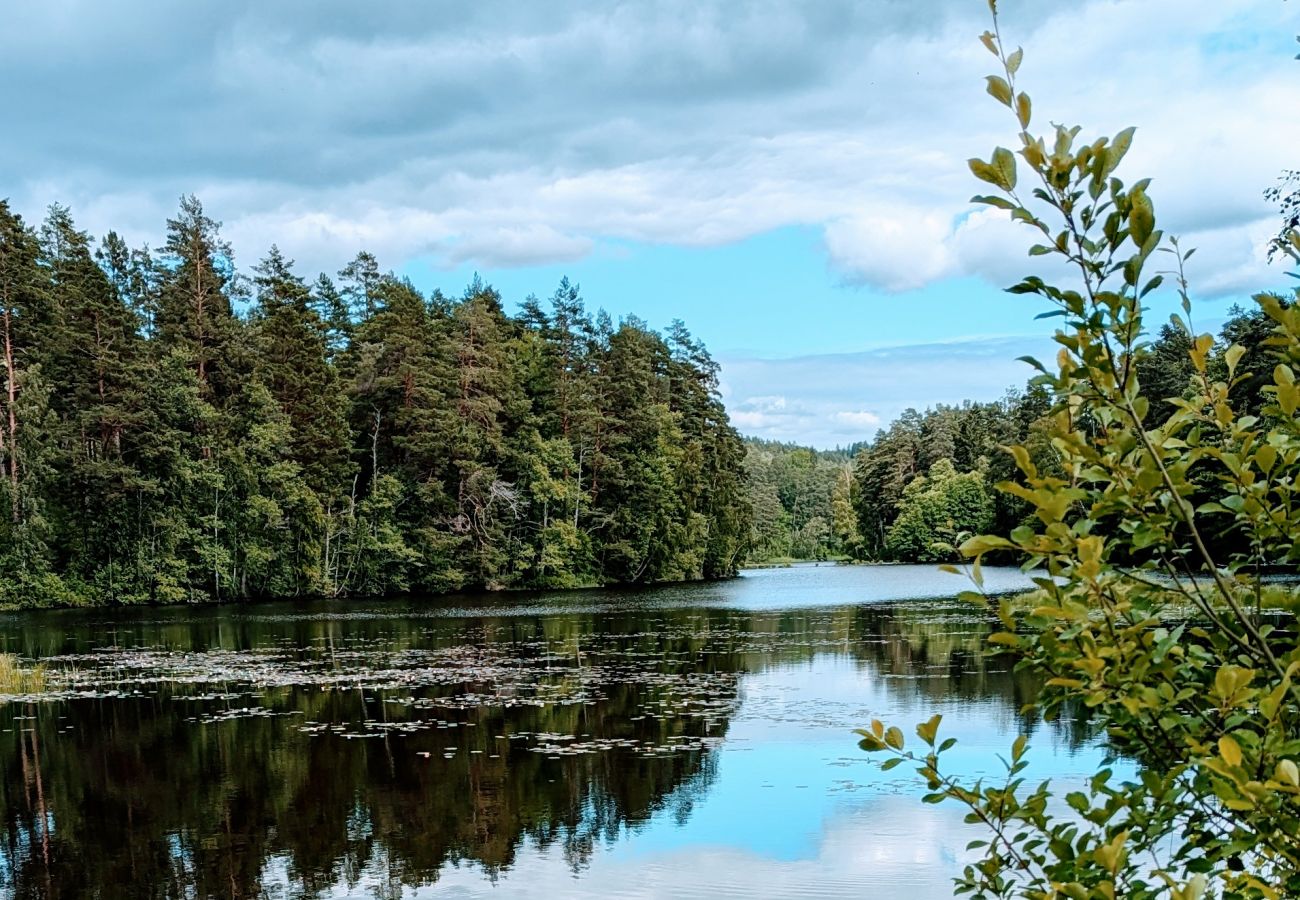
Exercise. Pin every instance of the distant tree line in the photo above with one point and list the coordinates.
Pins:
(801, 500)
(926, 482)
(174, 429)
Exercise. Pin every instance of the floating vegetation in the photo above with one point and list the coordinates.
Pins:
(465, 695)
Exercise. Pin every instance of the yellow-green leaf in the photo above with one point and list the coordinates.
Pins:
(1024, 109)
(999, 89)
(1232, 356)
(1141, 218)
(1230, 750)
(1004, 162)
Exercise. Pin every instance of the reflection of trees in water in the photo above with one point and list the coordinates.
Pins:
(137, 793)
(942, 654)
(140, 796)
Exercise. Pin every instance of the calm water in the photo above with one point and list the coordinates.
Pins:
(677, 742)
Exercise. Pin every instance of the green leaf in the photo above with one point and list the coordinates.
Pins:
(985, 172)
(989, 200)
(926, 731)
(983, 543)
(1141, 218)
(1152, 285)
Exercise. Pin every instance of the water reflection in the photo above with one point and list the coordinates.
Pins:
(643, 744)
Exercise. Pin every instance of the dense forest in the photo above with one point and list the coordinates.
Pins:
(802, 502)
(930, 479)
(175, 429)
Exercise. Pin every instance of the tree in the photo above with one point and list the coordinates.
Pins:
(1137, 620)
(292, 362)
(20, 314)
(93, 356)
(399, 380)
(788, 488)
(487, 400)
(883, 471)
(194, 311)
(361, 280)
(938, 511)
(156, 445)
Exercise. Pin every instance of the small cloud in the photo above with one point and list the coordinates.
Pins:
(763, 404)
(858, 418)
(516, 247)
(897, 249)
(837, 399)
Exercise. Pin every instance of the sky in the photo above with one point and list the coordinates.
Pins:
(787, 177)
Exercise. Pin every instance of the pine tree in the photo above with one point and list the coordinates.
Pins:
(292, 362)
(20, 286)
(487, 393)
(195, 314)
(93, 365)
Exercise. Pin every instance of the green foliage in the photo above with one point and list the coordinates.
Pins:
(1145, 622)
(898, 520)
(937, 512)
(801, 501)
(172, 431)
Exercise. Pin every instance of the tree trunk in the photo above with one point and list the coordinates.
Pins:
(11, 379)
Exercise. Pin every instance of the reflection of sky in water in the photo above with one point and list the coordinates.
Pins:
(796, 810)
(788, 806)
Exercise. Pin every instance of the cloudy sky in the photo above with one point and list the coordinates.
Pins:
(788, 177)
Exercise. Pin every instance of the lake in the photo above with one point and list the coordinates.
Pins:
(681, 741)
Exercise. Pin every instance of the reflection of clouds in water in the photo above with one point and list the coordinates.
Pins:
(784, 663)
(889, 846)
(796, 809)
(894, 845)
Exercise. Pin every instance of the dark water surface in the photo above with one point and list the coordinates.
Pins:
(688, 741)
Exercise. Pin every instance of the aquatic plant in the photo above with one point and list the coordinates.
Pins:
(16, 678)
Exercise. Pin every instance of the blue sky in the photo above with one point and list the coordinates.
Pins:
(773, 294)
(807, 355)
(789, 177)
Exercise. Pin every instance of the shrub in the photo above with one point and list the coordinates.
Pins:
(1207, 707)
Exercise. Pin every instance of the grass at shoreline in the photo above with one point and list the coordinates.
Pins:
(16, 678)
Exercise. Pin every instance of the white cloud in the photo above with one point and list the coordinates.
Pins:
(900, 842)
(897, 249)
(511, 135)
(838, 399)
(764, 404)
(858, 418)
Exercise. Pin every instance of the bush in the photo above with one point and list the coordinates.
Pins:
(1208, 707)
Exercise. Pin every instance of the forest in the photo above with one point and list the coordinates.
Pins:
(174, 429)
(801, 500)
(929, 480)
(177, 430)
